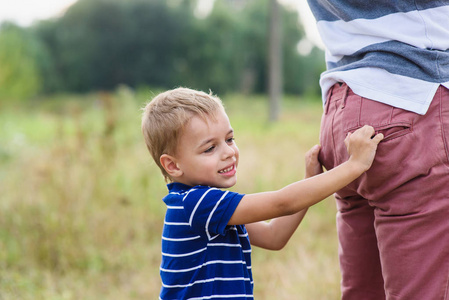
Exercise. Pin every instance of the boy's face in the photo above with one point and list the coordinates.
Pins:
(207, 153)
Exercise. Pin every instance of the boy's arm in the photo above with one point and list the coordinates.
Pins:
(302, 194)
(275, 234)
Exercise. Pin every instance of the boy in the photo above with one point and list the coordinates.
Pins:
(206, 252)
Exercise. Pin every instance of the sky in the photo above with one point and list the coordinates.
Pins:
(307, 20)
(25, 12)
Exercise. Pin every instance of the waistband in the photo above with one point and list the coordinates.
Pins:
(338, 91)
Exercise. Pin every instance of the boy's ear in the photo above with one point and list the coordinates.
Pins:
(168, 162)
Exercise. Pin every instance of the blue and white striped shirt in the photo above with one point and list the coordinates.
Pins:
(394, 52)
(203, 257)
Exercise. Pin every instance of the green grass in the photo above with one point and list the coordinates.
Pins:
(81, 212)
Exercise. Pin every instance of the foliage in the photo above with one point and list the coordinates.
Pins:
(100, 44)
(20, 53)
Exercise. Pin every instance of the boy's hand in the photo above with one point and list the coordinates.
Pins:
(313, 166)
(362, 146)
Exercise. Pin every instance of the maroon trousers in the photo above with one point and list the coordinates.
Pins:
(393, 221)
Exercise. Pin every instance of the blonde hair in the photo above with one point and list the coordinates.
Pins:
(166, 115)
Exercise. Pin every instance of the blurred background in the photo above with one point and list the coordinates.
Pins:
(100, 44)
(80, 200)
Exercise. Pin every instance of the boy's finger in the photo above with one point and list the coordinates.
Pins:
(346, 141)
(313, 153)
(377, 138)
(368, 130)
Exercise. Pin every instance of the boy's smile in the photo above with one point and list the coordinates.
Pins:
(207, 153)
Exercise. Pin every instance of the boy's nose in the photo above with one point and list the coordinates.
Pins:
(228, 152)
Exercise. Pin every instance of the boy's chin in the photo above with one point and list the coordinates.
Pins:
(229, 184)
(221, 184)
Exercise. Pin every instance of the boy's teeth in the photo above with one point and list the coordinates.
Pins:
(226, 170)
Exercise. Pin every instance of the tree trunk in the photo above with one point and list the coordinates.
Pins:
(275, 60)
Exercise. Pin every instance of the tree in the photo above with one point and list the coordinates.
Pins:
(99, 44)
(19, 72)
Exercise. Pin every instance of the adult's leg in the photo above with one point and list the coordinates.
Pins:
(412, 221)
(358, 252)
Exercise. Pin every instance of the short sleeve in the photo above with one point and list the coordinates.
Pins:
(209, 210)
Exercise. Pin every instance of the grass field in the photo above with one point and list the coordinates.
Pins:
(81, 212)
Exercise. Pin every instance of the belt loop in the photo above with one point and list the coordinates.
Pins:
(328, 100)
(345, 95)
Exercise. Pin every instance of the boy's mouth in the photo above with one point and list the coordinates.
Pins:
(229, 169)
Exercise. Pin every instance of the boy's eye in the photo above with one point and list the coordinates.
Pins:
(230, 140)
(210, 149)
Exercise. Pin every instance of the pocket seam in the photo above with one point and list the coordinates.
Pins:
(408, 129)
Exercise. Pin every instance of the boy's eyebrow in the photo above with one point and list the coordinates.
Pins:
(210, 140)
